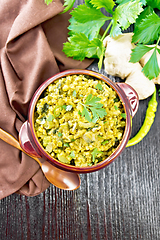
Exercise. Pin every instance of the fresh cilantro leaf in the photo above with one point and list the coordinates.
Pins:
(50, 118)
(77, 46)
(92, 103)
(84, 14)
(151, 68)
(95, 48)
(138, 52)
(154, 3)
(77, 27)
(90, 99)
(48, 1)
(68, 4)
(124, 1)
(94, 153)
(83, 17)
(86, 113)
(98, 112)
(147, 11)
(148, 30)
(72, 154)
(127, 13)
(115, 29)
(99, 86)
(88, 3)
(108, 5)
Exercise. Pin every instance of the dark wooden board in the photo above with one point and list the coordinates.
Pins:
(120, 202)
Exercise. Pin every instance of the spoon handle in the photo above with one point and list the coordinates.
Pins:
(6, 137)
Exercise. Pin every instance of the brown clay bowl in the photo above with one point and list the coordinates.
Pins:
(30, 143)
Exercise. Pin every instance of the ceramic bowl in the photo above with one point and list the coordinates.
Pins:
(31, 145)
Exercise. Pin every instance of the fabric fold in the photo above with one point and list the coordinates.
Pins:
(31, 43)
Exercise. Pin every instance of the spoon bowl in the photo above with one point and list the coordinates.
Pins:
(59, 178)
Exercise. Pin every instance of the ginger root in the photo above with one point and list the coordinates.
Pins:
(116, 63)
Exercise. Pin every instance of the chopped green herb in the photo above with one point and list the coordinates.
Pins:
(59, 134)
(116, 108)
(50, 118)
(73, 140)
(79, 112)
(94, 153)
(66, 144)
(99, 86)
(100, 136)
(90, 164)
(72, 154)
(104, 142)
(123, 115)
(74, 93)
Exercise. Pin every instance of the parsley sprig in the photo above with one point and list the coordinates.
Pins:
(87, 19)
(92, 105)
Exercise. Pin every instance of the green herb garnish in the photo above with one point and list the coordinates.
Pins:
(94, 153)
(50, 118)
(96, 108)
(86, 21)
(104, 142)
(72, 154)
(99, 86)
(59, 134)
(116, 108)
(74, 93)
(123, 115)
(66, 144)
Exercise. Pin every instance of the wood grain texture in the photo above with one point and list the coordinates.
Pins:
(120, 202)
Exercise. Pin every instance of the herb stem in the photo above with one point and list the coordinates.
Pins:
(158, 41)
(106, 31)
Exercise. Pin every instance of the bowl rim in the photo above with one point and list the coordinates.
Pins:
(126, 133)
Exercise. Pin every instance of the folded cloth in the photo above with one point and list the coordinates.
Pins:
(32, 37)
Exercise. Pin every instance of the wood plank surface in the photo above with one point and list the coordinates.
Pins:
(119, 202)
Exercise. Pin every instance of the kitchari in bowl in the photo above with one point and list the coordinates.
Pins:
(79, 120)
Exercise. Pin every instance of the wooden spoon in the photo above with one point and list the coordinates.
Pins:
(59, 178)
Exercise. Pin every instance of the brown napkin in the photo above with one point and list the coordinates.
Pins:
(32, 37)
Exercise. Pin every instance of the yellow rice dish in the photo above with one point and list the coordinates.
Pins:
(79, 120)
